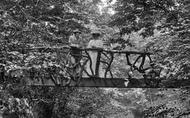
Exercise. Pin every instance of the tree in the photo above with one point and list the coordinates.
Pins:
(169, 19)
(134, 15)
(170, 103)
(29, 24)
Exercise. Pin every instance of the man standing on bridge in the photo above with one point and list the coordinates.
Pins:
(75, 43)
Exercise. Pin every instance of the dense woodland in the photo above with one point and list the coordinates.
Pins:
(158, 26)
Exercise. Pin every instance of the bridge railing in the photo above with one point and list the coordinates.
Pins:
(89, 67)
(97, 64)
(101, 58)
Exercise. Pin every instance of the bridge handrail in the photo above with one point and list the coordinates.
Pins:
(94, 49)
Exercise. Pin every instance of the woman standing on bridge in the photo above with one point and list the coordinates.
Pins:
(96, 43)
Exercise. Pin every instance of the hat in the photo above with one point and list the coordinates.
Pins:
(95, 32)
(76, 31)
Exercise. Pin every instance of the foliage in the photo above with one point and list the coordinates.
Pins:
(172, 55)
(29, 24)
(148, 15)
(162, 23)
(33, 24)
(170, 103)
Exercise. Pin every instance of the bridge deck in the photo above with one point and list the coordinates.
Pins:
(117, 83)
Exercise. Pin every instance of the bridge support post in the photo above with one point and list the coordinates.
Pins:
(97, 69)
